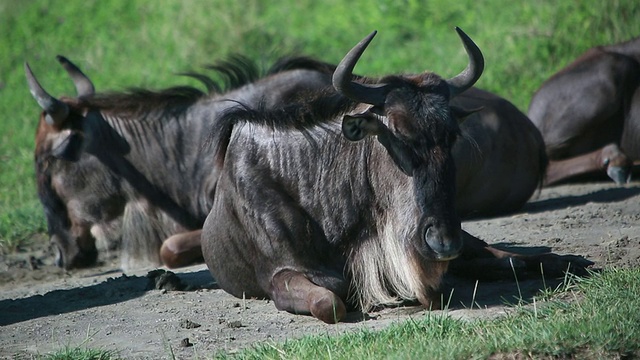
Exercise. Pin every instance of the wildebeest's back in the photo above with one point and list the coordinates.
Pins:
(500, 158)
(580, 108)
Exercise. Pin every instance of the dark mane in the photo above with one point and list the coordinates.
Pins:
(300, 63)
(135, 102)
(233, 72)
(236, 71)
(307, 63)
(301, 115)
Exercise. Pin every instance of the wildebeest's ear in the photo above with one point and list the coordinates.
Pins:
(357, 127)
(68, 147)
(461, 114)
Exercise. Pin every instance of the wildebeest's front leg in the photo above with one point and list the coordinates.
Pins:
(609, 158)
(480, 260)
(182, 249)
(259, 243)
(294, 292)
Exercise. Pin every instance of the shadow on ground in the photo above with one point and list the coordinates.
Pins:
(601, 196)
(111, 291)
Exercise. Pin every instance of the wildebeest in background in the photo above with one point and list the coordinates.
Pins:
(143, 154)
(500, 158)
(589, 114)
(346, 196)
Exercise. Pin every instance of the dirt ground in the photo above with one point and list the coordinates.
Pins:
(43, 308)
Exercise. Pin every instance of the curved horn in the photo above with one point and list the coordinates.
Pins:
(471, 74)
(84, 86)
(369, 94)
(57, 111)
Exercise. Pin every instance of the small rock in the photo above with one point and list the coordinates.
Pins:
(185, 342)
(164, 280)
(188, 324)
(234, 324)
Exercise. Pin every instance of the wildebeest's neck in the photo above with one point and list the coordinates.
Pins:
(344, 183)
(136, 103)
(170, 150)
(162, 157)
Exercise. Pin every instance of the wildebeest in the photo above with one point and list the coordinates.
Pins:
(142, 154)
(84, 196)
(346, 196)
(589, 114)
(500, 158)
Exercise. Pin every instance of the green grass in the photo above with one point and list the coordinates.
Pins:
(124, 43)
(585, 320)
(77, 353)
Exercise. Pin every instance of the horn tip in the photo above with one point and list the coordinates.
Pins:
(461, 33)
(29, 74)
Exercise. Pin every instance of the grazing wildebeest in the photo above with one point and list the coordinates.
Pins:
(140, 154)
(346, 196)
(589, 114)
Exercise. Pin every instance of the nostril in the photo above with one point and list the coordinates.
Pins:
(426, 233)
(444, 244)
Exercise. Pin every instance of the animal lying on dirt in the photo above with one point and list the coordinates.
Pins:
(88, 197)
(347, 196)
(136, 165)
(500, 158)
(589, 114)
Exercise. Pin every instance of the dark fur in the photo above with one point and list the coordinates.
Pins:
(333, 212)
(589, 114)
(129, 132)
(342, 214)
(500, 159)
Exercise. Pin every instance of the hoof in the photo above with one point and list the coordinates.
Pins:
(327, 307)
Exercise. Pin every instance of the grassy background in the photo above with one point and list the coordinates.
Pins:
(124, 43)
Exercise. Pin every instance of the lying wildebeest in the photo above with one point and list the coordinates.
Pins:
(500, 158)
(346, 195)
(589, 114)
(142, 154)
(85, 197)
